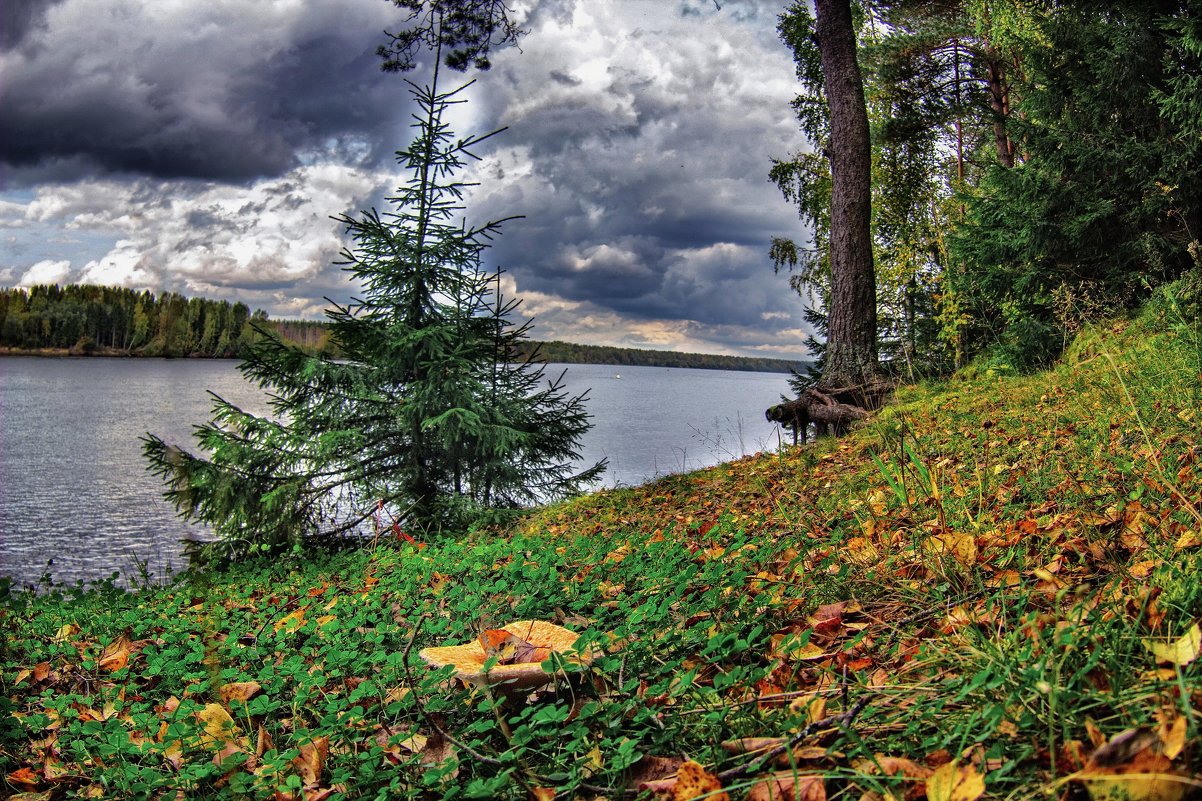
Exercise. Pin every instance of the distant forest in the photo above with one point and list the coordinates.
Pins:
(88, 320)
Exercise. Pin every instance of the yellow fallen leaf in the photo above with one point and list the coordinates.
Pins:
(239, 691)
(1172, 738)
(217, 726)
(955, 782)
(1179, 652)
(291, 621)
(66, 632)
(692, 782)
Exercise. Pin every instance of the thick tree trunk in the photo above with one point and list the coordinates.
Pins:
(851, 353)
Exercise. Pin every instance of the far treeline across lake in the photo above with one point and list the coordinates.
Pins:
(86, 320)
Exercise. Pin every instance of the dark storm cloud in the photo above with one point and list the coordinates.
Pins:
(19, 17)
(222, 92)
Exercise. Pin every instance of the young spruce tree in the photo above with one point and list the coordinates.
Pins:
(432, 418)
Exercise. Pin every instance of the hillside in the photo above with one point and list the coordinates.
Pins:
(967, 597)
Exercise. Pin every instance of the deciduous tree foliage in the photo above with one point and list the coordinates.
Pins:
(430, 420)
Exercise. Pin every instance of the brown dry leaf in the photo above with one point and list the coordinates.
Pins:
(441, 753)
(893, 766)
(46, 796)
(788, 785)
(692, 781)
(748, 745)
(239, 691)
(116, 655)
(263, 742)
(655, 773)
(542, 794)
(1179, 652)
(955, 782)
(311, 761)
(1131, 767)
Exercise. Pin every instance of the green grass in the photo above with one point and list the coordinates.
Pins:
(976, 575)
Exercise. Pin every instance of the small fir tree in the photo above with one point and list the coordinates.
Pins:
(431, 418)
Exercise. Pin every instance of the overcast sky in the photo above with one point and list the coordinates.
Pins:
(202, 147)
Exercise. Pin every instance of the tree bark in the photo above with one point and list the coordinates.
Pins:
(999, 102)
(851, 350)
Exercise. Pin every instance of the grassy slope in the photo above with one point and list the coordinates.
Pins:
(976, 576)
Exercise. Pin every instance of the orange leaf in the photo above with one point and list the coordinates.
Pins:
(23, 776)
(510, 649)
(692, 782)
(116, 655)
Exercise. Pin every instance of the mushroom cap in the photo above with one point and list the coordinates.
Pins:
(469, 658)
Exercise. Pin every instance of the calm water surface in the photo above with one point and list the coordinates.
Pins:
(76, 501)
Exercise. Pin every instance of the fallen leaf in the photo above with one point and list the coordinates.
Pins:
(692, 781)
(292, 621)
(542, 794)
(788, 785)
(239, 691)
(510, 649)
(311, 761)
(116, 655)
(218, 726)
(23, 776)
(1172, 738)
(66, 632)
(1179, 652)
(1131, 767)
(955, 782)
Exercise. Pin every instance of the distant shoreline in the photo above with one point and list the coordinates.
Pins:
(552, 353)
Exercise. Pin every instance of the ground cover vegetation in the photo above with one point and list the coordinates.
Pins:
(990, 590)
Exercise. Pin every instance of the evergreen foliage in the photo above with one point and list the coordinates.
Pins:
(430, 420)
(1034, 164)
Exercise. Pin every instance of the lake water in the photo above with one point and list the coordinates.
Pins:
(76, 501)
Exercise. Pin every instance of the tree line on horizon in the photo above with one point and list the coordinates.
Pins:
(84, 319)
(102, 320)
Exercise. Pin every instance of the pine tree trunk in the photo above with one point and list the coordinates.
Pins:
(999, 101)
(851, 352)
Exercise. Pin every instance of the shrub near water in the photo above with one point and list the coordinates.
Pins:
(967, 598)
